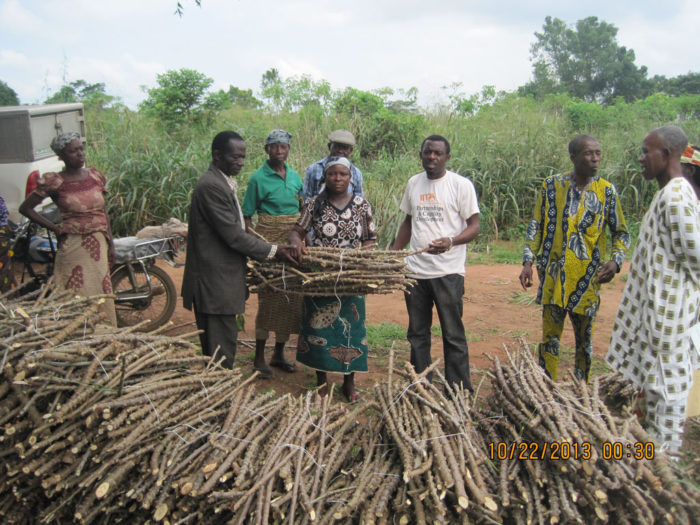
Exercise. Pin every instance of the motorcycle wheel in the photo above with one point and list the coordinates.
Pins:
(157, 309)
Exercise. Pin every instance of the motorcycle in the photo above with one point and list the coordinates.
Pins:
(142, 289)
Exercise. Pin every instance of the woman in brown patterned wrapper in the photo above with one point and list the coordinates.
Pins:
(333, 336)
(85, 249)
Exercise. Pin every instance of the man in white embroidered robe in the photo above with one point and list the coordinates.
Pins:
(651, 340)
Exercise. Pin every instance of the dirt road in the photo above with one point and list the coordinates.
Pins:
(493, 317)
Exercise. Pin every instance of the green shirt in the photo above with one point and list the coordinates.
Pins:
(269, 193)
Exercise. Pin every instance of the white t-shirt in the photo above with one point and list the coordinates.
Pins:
(438, 208)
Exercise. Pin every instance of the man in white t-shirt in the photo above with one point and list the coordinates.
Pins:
(442, 215)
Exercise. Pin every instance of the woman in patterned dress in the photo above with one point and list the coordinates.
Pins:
(333, 337)
(85, 248)
(7, 276)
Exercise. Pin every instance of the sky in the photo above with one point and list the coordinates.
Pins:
(366, 44)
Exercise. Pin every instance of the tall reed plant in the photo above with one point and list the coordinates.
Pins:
(507, 149)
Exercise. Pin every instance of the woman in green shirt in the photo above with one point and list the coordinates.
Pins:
(274, 193)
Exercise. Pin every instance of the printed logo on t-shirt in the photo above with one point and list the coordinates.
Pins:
(430, 209)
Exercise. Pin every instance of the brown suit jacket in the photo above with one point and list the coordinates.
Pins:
(217, 247)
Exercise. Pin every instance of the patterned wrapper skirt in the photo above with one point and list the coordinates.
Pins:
(277, 312)
(333, 336)
(82, 266)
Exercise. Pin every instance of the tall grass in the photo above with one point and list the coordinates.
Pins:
(506, 149)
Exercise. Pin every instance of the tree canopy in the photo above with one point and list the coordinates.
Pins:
(584, 61)
(294, 93)
(182, 95)
(688, 84)
(8, 97)
(93, 95)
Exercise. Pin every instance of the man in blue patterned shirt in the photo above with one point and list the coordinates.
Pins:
(340, 144)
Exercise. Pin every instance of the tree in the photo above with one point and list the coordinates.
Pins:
(8, 97)
(470, 105)
(585, 62)
(399, 100)
(180, 96)
(243, 98)
(294, 93)
(92, 95)
(271, 88)
(353, 101)
(688, 84)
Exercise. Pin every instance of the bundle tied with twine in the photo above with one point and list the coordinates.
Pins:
(334, 271)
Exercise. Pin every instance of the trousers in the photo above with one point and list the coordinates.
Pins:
(446, 294)
(220, 334)
(553, 318)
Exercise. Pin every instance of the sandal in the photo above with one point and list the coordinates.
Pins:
(263, 373)
(323, 390)
(285, 365)
(352, 397)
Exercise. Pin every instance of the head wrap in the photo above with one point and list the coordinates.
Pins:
(334, 161)
(278, 135)
(59, 143)
(691, 155)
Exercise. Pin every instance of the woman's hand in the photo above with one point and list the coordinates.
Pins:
(27, 208)
(296, 238)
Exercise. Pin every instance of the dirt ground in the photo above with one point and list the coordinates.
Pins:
(494, 318)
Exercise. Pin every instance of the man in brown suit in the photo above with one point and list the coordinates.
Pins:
(217, 246)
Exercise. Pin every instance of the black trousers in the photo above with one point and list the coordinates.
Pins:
(220, 335)
(446, 294)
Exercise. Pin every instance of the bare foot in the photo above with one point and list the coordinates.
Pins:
(350, 393)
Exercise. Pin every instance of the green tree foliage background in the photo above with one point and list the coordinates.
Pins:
(8, 97)
(93, 96)
(181, 96)
(584, 61)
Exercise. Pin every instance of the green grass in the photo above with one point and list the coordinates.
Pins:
(383, 336)
(473, 336)
(497, 252)
(522, 298)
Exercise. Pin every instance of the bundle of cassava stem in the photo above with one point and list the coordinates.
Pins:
(333, 271)
(563, 456)
(109, 425)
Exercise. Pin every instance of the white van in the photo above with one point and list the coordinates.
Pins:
(25, 146)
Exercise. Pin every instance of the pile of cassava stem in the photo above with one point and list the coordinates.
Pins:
(333, 271)
(100, 425)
